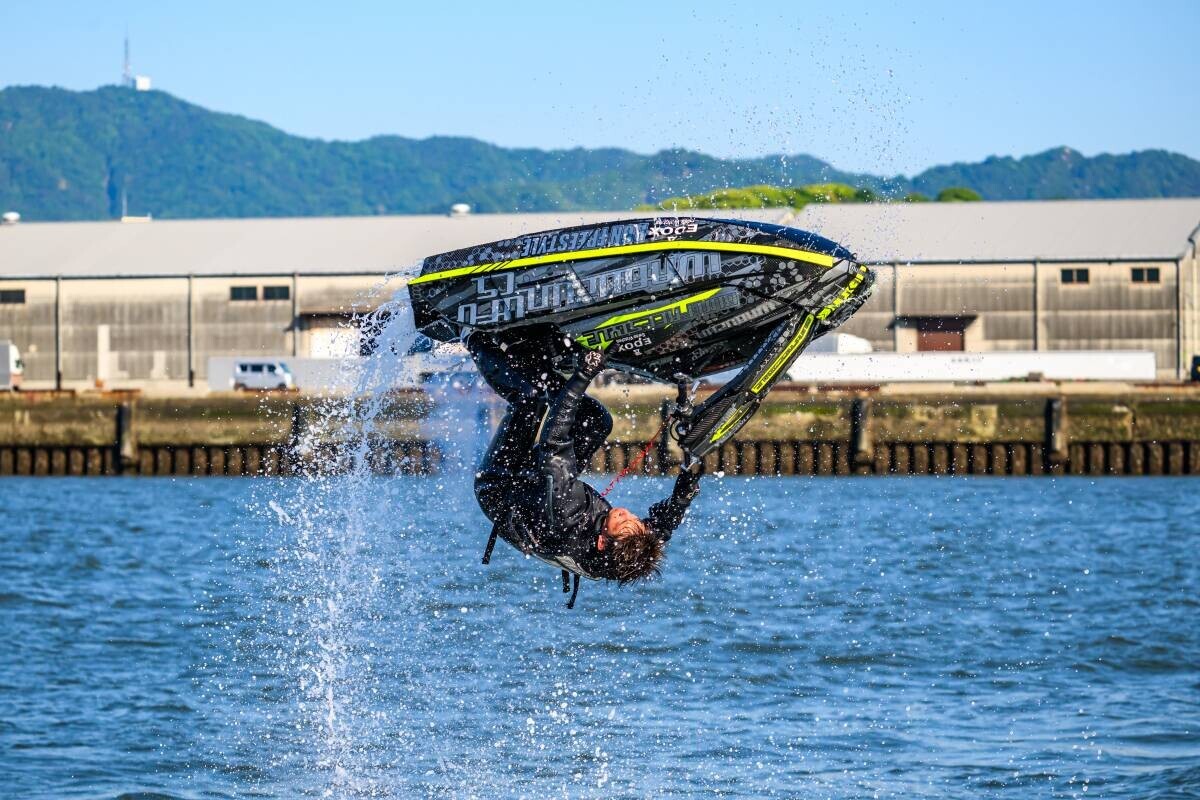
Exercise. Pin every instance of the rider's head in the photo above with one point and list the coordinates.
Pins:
(632, 551)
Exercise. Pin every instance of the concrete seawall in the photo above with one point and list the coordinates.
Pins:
(965, 432)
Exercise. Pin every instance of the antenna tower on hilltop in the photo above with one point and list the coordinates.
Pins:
(139, 83)
(127, 72)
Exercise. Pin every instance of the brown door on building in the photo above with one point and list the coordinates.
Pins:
(941, 334)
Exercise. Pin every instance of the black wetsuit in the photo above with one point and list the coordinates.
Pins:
(531, 489)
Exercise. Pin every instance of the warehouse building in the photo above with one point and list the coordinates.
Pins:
(1027, 276)
(147, 304)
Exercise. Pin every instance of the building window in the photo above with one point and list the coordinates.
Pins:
(13, 297)
(1146, 275)
(243, 293)
(277, 293)
(1075, 275)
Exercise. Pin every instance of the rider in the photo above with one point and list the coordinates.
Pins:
(529, 486)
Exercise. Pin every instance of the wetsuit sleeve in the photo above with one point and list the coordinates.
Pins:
(572, 506)
(666, 515)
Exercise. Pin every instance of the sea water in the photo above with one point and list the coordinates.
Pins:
(334, 635)
(817, 638)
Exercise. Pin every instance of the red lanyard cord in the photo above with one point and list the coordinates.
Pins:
(632, 465)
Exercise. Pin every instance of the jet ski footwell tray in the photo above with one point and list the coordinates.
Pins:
(669, 299)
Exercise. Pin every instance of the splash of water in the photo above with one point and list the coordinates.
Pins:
(338, 530)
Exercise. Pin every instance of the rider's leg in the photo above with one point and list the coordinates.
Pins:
(511, 446)
(593, 424)
(723, 414)
(509, 460)
(523, 372)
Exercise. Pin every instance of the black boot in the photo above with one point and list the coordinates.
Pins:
(521, 371)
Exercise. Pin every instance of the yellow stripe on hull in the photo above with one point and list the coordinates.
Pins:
(729, 423)
(776, 365)
(680, 304)
(789, 253)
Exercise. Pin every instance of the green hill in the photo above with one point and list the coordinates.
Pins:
(1062, 173)
(85, 155)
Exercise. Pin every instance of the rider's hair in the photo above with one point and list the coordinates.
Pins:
(635, 555)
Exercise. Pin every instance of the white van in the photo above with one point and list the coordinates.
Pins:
(11, 367)
(439, 362)
(261, 374)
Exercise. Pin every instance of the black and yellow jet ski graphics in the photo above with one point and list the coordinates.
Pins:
(664, 297)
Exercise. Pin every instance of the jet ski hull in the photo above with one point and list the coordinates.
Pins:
(661, 295)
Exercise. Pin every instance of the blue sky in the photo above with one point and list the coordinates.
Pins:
(877, 87)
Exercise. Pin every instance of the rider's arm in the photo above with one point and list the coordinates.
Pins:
(666, 515)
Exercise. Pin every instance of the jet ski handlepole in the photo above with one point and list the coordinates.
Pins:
(681, 412)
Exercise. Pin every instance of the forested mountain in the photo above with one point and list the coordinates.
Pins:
(88, 155)
(1063, 173)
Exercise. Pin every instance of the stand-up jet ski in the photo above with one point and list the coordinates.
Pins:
(671, 299)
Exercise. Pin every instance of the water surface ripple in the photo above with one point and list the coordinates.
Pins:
(817, 638)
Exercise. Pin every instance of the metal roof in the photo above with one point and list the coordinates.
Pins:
(1046, 230)
(270, 246)
(906, 232)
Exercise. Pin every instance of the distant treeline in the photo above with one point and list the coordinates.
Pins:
(94, 155)
(798, 197)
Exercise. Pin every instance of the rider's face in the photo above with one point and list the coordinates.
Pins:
(615, 526)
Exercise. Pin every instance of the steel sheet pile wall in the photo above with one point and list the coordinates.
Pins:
(820, 436)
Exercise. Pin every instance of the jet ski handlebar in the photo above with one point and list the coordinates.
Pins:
(680, 414)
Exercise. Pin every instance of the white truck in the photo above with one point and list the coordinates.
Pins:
(427, 360)
(11, 367)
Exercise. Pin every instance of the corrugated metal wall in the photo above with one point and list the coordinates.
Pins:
(998, 296)
(1189, 268)
(1110, 311)
(225, 327)
(874, 320)
(146, 324)
(129, 331)
(31, 327)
